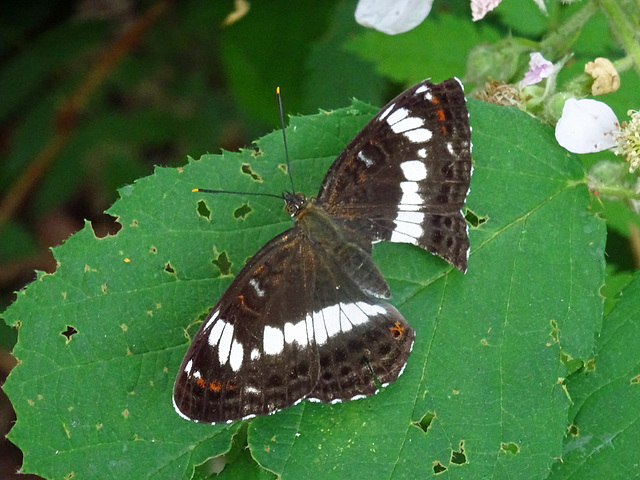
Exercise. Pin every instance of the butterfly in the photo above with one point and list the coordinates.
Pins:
(307, 317)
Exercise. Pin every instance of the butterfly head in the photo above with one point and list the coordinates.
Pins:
(295, 203)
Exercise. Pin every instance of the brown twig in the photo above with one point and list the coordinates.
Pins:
(73, 107)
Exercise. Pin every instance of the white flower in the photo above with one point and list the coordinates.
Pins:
(479, 8)
(587, 126)
(539, 68)
(629, 141)
(392, 17)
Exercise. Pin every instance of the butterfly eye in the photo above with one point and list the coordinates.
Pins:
(291, 209)
(294, 203)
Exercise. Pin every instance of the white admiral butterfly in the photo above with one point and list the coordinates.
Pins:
(307, 316)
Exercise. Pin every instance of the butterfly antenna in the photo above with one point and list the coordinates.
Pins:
(286, 154)
(284, 138)
(206, 190)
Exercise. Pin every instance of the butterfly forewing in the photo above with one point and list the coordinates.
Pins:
(405, 176)
(240, 364)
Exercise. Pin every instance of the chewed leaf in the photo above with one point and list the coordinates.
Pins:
(485, 363)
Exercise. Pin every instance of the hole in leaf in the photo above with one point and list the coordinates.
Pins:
(635, 380)
(590, 365)
(246, 169)
(425, 422)
(554, 331)
(212, 467)
(283, 167)
(169, 269)
(572, 364)
(510, 448)
(69, 332)
(153, 249)
(573, 430)
(457, 456)
(223, 263)
(203, 210)
(438, 468)
(242, 211)
(239, 454)
(473, 219)
(105, 226)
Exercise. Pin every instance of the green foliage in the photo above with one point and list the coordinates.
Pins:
(602, 438)
(389, 54)
(486, 364)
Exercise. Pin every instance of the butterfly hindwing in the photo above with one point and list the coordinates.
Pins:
(405, 176)
(362, 341)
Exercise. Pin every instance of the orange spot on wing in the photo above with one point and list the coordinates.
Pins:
(200, 382)
(397, 330)
(440, 114)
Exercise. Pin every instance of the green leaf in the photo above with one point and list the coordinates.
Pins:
(253, 59)
(429, 46)
(603, 439)
(525, 18)
(480, 395)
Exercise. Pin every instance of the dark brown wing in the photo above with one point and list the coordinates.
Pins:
(405, 176)
(361, 340)
(235, 367)
(291, 325)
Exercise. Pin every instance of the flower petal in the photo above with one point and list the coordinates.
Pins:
(539, 68)
(586, 126)
(392, 17)
(479, 8)
(541, 5)
(605, 76)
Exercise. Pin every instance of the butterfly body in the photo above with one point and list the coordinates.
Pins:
(350, 253)
(306, 317)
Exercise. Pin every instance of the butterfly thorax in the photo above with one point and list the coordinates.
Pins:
(324, 231)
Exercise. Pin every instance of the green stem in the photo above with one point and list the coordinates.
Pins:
(623, 29)
(580, 85)
(565, 35)
(623, 64)
(613, 191)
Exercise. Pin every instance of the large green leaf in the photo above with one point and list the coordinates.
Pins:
(604, 437)
(481, 395)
